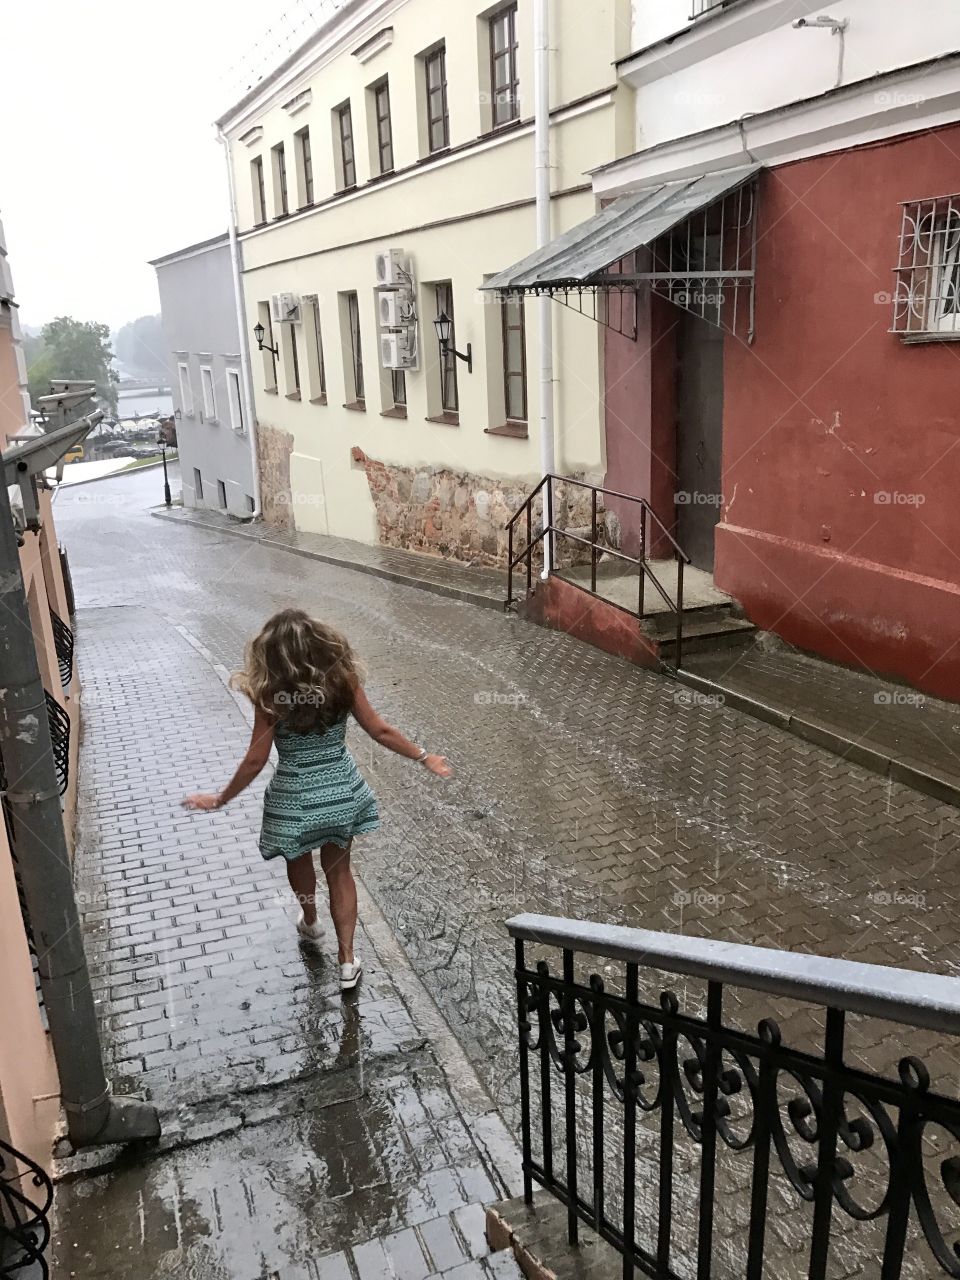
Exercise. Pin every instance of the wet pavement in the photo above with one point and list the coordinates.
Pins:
(586, 788)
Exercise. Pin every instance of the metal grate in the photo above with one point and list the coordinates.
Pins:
(700, 7)
(926, 298)
(26, 1194)
(59, 740)
(24, 914)
(63, 639)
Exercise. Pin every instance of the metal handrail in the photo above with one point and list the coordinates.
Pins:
(24, 1219)
(550, 530)
(606, 1058)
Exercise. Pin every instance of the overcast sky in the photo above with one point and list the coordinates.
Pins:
(108, 154)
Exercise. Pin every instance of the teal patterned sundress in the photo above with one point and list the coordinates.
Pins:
(316, 796)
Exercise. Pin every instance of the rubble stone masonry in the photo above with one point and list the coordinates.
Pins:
(274, 448)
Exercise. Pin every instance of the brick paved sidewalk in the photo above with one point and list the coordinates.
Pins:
(300, 1126)
(450, 578)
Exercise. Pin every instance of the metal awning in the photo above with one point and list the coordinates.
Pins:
(693, 240)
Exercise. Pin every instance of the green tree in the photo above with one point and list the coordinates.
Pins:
(73, 349)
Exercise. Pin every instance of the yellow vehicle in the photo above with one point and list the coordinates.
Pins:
(74, 455)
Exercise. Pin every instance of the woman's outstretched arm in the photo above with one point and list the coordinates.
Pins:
(258, 753)
(378, 729)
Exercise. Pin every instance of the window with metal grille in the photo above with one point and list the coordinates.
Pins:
(704, 6)
(281, 202)
(348, 165)
(504, 77)
(449, 392)
(926, 300)
(381, 102)
(305, 158)
(438, 119)
(514, 359)
(63, 641)
(59, 723)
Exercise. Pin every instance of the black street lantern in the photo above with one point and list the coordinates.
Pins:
(258, 332)
(444, 327)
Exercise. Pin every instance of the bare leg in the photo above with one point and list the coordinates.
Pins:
(302, 875)
(343, 897)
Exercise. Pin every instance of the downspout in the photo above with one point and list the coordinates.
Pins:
(541, 82)
(94, 1116)
(248, 399)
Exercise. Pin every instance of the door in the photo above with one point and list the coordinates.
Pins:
(699, 432)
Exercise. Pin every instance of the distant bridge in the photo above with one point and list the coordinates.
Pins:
(133, 388)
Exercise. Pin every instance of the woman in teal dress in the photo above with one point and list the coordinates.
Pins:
(303, 681)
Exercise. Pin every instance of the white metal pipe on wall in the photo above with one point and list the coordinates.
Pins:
(544, 304)
(249, 402)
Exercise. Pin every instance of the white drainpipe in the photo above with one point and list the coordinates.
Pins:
(245, 369)
(542, 178)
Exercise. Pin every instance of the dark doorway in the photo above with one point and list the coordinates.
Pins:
(699, 431)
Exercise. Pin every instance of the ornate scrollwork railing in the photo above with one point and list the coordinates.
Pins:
(63, 641)
(59, 723)
(26, 1195)
(650, 1079)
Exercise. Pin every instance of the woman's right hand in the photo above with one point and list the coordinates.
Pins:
(439, 765)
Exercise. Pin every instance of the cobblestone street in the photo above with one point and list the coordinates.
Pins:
(585, 787)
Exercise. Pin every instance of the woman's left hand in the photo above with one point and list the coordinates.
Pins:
(201, 802)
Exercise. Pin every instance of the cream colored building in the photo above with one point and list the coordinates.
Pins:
(407, 125)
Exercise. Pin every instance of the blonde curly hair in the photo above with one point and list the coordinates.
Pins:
(300, 671)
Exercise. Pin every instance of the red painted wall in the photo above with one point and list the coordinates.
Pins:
(828, 412)
(640, 409)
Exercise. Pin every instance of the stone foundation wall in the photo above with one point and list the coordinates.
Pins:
(274, 448)
(463, 516)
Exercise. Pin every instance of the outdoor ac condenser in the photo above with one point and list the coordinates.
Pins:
(396, 308)
(285, 308)
(397, 350)
(393, 269)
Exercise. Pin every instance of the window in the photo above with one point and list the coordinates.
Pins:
(269, 359)
(353, 352)
(221, 495)
(259, 190)
(438, 121)
(316, 367)
(251, 505)
(186, 390)
(197, 484)
(290, 360)
(504, 80)
(209, 396)
(398, 386)
(235, 399)
(927, 297)
(281, 205)
(449, 395)
(304, 169)
(514, 360)
(381, 111)
(348, 164)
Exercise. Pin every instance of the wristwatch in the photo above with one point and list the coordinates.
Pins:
(423, 755)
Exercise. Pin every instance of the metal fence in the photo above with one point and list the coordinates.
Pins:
(698, 1149)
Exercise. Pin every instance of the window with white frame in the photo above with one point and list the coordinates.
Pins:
(186, 389)
(208, 392)
(926, 301)
(235, 399)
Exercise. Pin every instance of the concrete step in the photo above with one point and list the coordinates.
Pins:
(704, 631)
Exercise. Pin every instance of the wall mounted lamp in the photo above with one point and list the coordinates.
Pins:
(258, 332)
(444, 327)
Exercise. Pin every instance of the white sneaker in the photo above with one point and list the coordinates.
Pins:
(312, 933)
(350, 975)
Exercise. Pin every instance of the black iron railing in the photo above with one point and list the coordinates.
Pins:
(59, 723)
(26, 1195)
(632, 1108)
(549, 532)
(63, 640)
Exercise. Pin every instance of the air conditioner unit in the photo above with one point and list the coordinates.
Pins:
(393, 268)
(397, 350)
(396, 308)
(285, 308)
